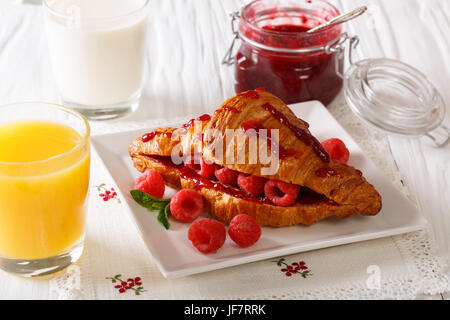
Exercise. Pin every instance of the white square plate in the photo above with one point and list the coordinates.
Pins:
(176, 257)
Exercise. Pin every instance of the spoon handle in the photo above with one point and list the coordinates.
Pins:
(340, 19)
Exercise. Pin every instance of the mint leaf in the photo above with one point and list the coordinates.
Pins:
(148, 201)
(158, 205)
(163, 217)
(154, 204)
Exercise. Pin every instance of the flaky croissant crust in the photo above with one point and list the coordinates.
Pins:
(353, 194)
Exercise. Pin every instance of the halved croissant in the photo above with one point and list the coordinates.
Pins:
(340, 190)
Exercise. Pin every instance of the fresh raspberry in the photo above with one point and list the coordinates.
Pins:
(337, 150)
(152, 183)
(227, 176)
(281, 193)
(251, 184)
(202, 167)
(207, 235)
(244, 230)
(186, 205)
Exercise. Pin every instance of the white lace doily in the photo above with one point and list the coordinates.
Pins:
(409, 263)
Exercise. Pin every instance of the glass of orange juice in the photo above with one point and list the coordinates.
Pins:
(44, 182)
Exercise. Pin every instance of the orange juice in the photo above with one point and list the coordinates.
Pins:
(44, 181)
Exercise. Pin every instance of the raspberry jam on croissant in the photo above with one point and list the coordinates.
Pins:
(304, 187)
(305, 197)
(151, 135)
(304, 136)
(282, 152)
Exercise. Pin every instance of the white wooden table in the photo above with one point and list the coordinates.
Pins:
(188, 39)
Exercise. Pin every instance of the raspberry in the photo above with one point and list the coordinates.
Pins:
(186, 205)
(207, 235)
(244, 230)
(337, 150)
(200, 166)
(251, 184)
(152, 183)
(227, 176)
(281, 193)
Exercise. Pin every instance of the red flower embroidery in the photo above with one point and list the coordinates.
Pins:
(299, 268)
(131, 284)
(107, 194)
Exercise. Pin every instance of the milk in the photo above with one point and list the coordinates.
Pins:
(97, 49)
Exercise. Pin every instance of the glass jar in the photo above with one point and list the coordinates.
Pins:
(277, 53)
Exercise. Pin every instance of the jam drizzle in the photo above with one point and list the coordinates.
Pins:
(282, 152)
(200, 183)
(306, 196)
(306, 124)
(309, 197)
(252, 94)
(150, 136)
(205, 117)
(326, 172)
(227, 108)
(301, 134)
(185, 127)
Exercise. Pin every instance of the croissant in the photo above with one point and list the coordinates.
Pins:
(327, 188)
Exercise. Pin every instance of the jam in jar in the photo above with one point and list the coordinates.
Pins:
(278, 54)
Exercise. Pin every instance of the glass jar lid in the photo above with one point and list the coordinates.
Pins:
(393, 97)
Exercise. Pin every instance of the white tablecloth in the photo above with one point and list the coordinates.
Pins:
(193, 36)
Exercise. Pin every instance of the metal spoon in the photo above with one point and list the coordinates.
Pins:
(340, 19)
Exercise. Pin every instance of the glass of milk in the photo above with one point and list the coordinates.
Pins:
(98, 54)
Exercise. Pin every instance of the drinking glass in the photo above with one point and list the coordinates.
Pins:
(44, 182)
(98, 54)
